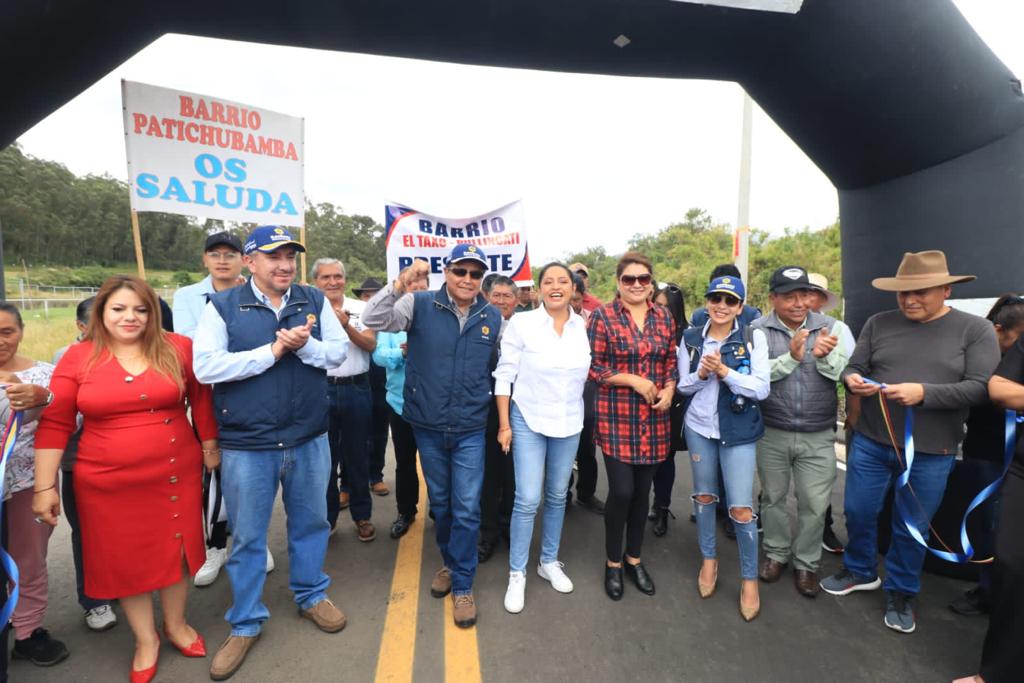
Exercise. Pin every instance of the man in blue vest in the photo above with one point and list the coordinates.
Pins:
(266, 346)
(447, 393)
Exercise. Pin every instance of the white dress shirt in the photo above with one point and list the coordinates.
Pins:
(548, 371)
(357, 361)
(213, 363)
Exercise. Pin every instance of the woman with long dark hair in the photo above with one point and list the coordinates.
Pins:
(671, 297)
(633, 361)
(138, 475)
(1000, 589)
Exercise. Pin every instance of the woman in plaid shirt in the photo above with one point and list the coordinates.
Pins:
(633, 361)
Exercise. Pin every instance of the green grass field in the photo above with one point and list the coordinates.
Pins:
(49, 328)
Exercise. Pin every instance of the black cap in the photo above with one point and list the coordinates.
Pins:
(369, 285)
(225, 238)
(789, 278)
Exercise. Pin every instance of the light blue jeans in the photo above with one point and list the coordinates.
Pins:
(737, 464)
(543, 464)
(249, 482)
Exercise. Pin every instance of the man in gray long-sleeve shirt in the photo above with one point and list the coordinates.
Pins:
(937, 361)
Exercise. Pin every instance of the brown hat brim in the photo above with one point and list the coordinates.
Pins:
(909, 284)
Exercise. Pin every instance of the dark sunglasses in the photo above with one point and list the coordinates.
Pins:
(716, 299)
(462, 272)
(630, 280)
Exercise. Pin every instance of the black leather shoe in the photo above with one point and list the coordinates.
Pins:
(484, 549)
(661, 521)
(640, 577)
(613, 582)
(401, 525)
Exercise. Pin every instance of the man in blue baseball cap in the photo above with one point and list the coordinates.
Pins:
(452, 333)
(267, 346)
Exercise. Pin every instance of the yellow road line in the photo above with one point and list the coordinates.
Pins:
(398, 642)
(461, 655)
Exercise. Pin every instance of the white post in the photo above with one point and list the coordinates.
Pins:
(741, 237)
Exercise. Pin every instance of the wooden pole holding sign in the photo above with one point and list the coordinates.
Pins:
(137, 238)
(302, 254)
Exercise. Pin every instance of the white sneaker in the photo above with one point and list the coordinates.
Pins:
(552, 571)
(515, 596)
(270, 561)
(100, 618)
(208, 573)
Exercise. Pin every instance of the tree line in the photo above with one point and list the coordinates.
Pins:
(52, 217)
(684, 253)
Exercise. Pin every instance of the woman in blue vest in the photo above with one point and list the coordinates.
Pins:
(728, 375)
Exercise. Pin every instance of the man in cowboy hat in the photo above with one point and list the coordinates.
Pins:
(936, 360)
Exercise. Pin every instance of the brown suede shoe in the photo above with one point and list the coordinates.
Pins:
(465, 610)
(442, 583)
(806, 583)
(343, 500)
(326, 616)
(770, 570)
(380, 489)
(230, 656)
(364, 528)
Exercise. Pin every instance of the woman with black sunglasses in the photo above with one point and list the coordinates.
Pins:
(671, 297)
(633, 362)
(728, 373)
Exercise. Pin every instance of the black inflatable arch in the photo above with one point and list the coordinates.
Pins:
(899, 102)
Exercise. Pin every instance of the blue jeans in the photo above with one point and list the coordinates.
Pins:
(453, 465)
(249, 480)
(708, 458)
(870, 468)
(351, 408)
(543, 464)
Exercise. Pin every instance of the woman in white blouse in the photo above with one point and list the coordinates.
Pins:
(545, 353)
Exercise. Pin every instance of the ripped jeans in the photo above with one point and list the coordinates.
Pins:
(738, 464)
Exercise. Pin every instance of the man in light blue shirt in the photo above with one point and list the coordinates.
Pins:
(222, 258)
(267, 346)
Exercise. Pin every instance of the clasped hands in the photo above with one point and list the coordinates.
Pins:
(291, 339)
(659, 399)
(823, 344)
(711, 364)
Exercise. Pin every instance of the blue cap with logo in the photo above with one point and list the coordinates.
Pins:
(468, 252)
(268, 238)
(727, 285)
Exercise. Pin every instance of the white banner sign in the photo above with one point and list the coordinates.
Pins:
(201, 156)
(500, 235)
(785, 6)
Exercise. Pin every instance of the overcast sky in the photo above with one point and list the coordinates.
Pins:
(595, 159)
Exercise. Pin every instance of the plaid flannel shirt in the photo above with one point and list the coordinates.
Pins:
(627, 428)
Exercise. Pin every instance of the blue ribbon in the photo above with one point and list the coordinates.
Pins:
(6, 560)
(903, 481)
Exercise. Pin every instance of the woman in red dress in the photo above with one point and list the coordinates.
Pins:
(138, 475)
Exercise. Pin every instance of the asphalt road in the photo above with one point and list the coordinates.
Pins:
(581, 637)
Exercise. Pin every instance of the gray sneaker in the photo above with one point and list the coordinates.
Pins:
(899, 611)
(846, 582)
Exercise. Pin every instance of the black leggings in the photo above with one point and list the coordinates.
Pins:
(628, 489)
(407, 481)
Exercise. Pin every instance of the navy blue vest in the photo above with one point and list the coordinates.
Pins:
(735, 428)
(285, 406)
(448, 373)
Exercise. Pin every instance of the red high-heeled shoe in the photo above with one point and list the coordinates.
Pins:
(146, 675)
(196, 649)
